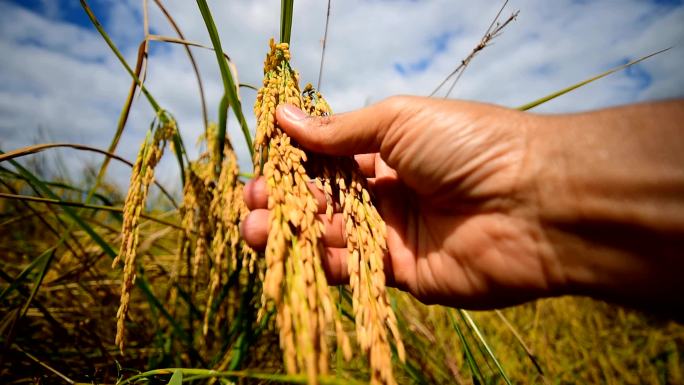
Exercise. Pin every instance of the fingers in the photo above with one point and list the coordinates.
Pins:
(335, 265)
(255, 227)
(357, 132)
(334, 235)
(366, 164)
(255, 195)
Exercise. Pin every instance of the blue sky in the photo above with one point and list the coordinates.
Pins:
(59, 82)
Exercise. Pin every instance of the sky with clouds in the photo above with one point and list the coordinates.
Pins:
(59, 81)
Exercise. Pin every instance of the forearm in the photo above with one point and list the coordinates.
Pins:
(610, 190)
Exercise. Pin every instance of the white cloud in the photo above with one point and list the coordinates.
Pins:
(61, 76)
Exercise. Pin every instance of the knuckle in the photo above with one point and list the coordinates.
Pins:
(396, 103)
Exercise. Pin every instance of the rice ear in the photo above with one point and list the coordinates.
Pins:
(142, 177)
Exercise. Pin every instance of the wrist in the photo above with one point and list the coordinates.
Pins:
(608, 203)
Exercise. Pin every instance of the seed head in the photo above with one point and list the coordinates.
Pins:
(294, 281)
(142, 177)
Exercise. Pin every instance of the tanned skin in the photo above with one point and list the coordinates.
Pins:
(489, 207)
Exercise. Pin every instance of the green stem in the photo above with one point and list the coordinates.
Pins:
(229, 86)
(207, 373)
(286, 11)
(564, 91)
(118, 54)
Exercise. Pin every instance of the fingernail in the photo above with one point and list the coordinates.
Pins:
(291, 112)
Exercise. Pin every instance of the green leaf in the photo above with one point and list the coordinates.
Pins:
(466, 316)
(470, 359)
(178, 142)
(286, 11)
(176, 378)
(28, 269)
(230, 91)
(140, 281)
(564, 91)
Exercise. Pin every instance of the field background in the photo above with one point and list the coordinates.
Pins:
(60, 83)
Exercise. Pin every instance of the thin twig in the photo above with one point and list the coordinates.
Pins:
(325, 41)
(46, 366)
(83, 205)
(522, 343)
(493, 31)
(144, 50)
(195, 67)
(41, 147)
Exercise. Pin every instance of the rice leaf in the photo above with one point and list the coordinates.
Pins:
(36, 148)
(573, 87)
(466, 316)
(179, 148)
(472, 363)
(85, 206)
(207, 373)
(195, 68)
(230, 91)
(140, 281)
(38, 281)
(27, 270)
(176, 378)
(286, 11)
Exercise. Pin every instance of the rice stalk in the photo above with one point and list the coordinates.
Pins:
(294, 281)
(142, 176)
(344, 185)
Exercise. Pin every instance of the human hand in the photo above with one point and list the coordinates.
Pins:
(451, 182)
(488, 207)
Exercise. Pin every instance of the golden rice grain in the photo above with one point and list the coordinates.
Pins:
(366, 233)
(211, 212)
(141, 178)
(294, 281)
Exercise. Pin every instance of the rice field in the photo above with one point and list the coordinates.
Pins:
(100, 285)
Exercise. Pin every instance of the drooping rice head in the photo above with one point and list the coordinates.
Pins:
(344, 185)
(294, 281)
(142, 177)
(211, 212)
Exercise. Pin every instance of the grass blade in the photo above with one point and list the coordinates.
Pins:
(573, 87)
(230, 90)
(325, 41)
(140, 281)
(36, 148)
(85, 206)
(206, 373)
(195, 67)
(176, 378)
(471, 323)
(522, 343)
(286, 11)
(179, 148)
(46, 366)
(472, 363)
(38, 281)
(27, 270)
(115, 50)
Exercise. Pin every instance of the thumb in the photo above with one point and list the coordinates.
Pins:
(357, 132)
